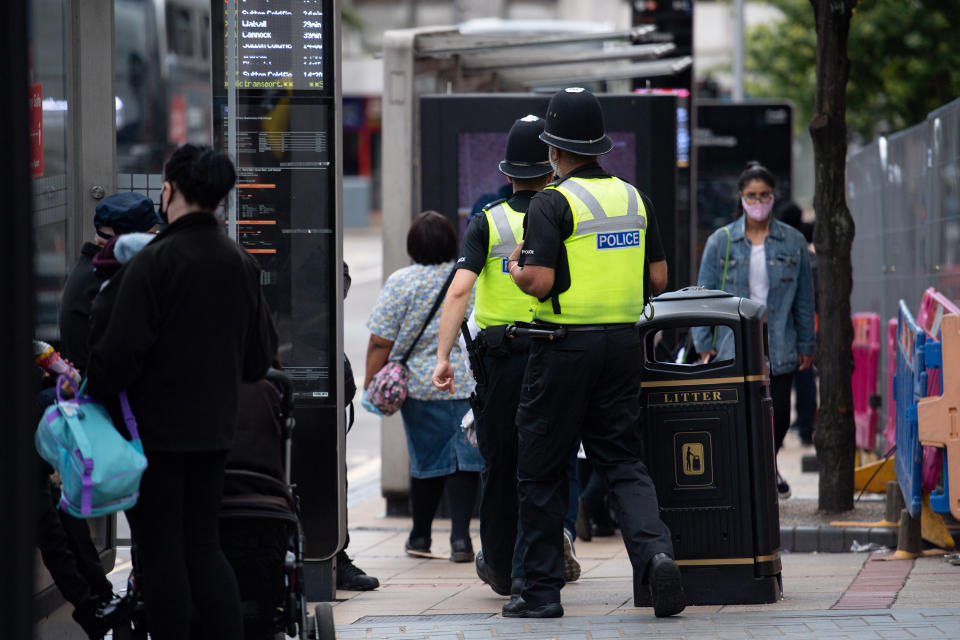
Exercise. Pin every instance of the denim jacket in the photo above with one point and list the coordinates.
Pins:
(790, 298)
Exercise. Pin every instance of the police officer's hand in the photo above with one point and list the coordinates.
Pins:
(706, 355)
(443, 376)
(804, 361)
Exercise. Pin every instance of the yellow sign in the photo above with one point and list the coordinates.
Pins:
(691, 456)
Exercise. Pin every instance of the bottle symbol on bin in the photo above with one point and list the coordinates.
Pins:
(692, 456)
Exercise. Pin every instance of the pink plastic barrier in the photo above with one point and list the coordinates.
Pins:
(890, 432)
(866, 360)
(932, 307)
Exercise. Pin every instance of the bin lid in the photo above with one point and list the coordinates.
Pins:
(692, 293)
(695, 305)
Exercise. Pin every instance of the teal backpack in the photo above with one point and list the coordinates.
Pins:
(99, 468)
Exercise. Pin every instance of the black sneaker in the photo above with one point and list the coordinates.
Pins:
(520, 608)
(418, 547)
(97, 617)
(461, 550)
(783, 489)
(352, 578)
(666, 586)
(499, 584)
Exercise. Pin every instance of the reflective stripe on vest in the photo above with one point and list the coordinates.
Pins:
(605, 253)
(499, 300)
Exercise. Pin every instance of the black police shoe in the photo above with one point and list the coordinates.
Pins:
(350, 577)
(666, 586)
(499, 584)
(97, 617)
(461, 550)
(520, 608)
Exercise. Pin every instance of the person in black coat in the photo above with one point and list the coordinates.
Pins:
(187, 325)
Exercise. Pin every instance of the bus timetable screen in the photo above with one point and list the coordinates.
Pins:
(280, 44)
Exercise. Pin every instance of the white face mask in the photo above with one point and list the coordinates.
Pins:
(554, 163)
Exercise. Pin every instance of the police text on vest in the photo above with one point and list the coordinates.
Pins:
(618, 239)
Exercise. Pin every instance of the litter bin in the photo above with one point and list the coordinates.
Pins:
(708, 444)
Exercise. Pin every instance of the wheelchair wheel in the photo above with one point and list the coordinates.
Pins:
(323, 626)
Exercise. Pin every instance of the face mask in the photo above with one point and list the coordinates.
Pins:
(759, 211)
(554, 164)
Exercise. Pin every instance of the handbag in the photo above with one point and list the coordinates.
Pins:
(388, 387)
(99, 468)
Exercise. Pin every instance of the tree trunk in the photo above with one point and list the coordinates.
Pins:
(833, 237)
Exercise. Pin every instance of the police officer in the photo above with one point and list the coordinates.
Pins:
(582, 258)
(489, 240)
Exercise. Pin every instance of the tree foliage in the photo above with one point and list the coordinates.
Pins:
(904, 61)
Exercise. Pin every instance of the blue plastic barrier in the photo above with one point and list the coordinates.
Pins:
(909, 385)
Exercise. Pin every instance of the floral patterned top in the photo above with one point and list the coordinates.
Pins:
(401, 308)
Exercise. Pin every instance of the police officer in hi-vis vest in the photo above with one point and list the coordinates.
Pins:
(498, 360)
(583, 260)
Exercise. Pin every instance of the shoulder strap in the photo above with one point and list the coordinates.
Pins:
(433, 311)
(723, 281)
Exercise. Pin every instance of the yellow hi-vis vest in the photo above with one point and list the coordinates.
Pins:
(605, 253)
(499, 300)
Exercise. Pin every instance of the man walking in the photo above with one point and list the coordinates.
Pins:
(583, 259)
(490, 239)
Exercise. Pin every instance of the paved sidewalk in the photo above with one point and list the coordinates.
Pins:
(441, 600)
(860, 625)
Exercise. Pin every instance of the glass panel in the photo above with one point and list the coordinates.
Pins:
(49, 110)
(162, 81)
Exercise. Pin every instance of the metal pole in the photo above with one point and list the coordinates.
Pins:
(232, 109)
(738, 50)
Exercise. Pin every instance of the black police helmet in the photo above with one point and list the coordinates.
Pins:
(526, 155)
(575, 123)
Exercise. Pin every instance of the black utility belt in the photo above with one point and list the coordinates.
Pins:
(501, 336)
(551, 331)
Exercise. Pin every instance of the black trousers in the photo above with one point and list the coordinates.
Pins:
(68, 552)
(497, 439)
(587, 385)
(780, 395)
(175, 529)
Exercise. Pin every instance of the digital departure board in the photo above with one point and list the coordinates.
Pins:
(280, 44)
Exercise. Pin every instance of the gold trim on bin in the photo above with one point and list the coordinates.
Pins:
(656, 384)
(720, 561)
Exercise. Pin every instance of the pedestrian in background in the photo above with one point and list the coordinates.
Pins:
(583, 260)
(440, 454)
(763, 259)
(188, 324)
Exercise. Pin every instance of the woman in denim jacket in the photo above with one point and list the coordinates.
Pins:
(768, 262)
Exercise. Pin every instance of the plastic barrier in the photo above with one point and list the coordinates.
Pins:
(933, 306)
(939, 417)
(866, 360)
(890, 432)
(909, 385)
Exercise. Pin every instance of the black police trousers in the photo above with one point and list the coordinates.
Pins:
(586, 384)
(504, 362)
